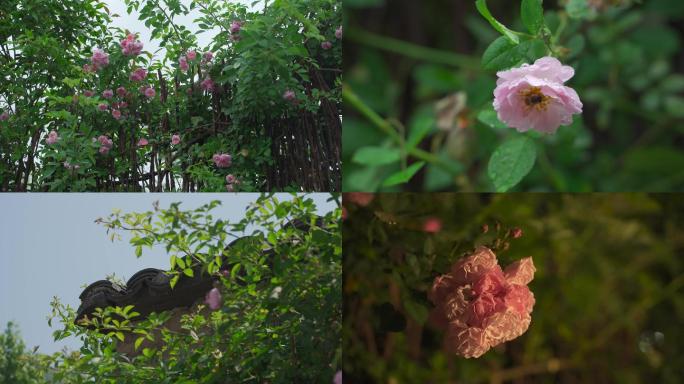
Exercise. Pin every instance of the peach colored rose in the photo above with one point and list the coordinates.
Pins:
(481, 306)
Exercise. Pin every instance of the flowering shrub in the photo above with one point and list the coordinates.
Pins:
(530, 95)
(188, 105)
(274, 316)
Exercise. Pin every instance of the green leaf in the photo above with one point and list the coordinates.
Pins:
(180, 262)
(422, 123)
(119, 335)
(138, 341)
(502, 54)
(510, 35)
(489, 118)
(403, 176)
(174, 280)
(532, 15)
(189, 272)
(510, 162)
(138, 251)
(376, 156)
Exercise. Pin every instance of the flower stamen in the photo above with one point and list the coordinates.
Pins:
(534, 98)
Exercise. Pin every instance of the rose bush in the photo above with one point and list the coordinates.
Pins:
(185, 107)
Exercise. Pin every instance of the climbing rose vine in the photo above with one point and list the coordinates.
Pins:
(480, 305)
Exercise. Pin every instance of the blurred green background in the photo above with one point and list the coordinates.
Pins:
(402, 56)
(609, 287)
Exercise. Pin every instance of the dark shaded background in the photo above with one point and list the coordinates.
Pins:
(608, 287)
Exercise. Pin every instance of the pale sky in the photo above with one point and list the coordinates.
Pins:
(50, 246)
(131, 22)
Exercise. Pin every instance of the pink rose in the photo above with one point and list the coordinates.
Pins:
(479, 306)
(208, 56)
(4, 116)
(105, 141)
(104, 150)
(88, 93)
(519, 298)
(175, 139)
(207, 84)
(108, 94)
(123, 104)
(432, 225)
(139, 74)
(116, 114)
(102, 107)
(121, 91)
(490, 282)
(142, 142)
(230, 179)
(149, 92)
(230, 187)
(183, 64)
(467, 342)
(99, 59)
(520, 272)
(289, 95)
(235, 27)
(191, 55)
(130, 46)
(534, 97)
(213, 299)
(326, 45)
(516, 233)
(222, 160)
(470, 269)
(358, 198)
(53, 137)
(338, 33)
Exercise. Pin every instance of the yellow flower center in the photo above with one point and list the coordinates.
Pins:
(534, 98)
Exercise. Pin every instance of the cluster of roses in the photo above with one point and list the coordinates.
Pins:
(326, 45)
(130, 46)
(105, 144)
(224, 160)
(183, 63)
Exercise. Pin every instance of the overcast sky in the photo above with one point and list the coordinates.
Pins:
(50, 246)
(131, 22)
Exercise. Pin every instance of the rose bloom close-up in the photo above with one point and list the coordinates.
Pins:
(534, 97)
(481, 306)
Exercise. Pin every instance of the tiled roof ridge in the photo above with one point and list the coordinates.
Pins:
(149, 289)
